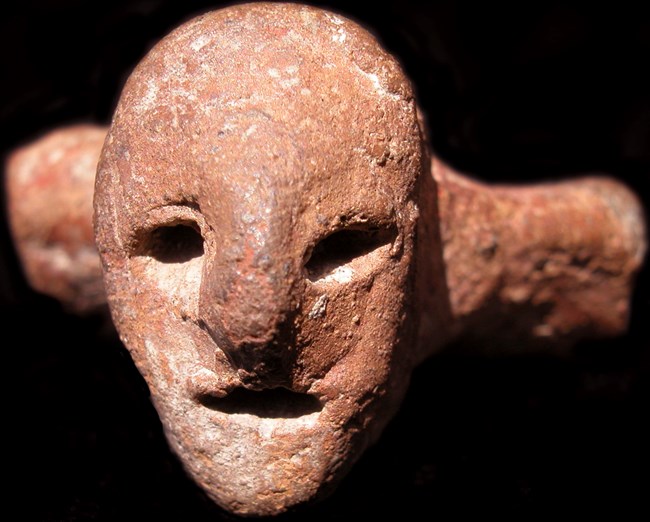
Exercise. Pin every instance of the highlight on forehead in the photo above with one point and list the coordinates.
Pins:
(265, 49)
(298, 65)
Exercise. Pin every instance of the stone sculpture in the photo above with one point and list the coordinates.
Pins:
(280, 248)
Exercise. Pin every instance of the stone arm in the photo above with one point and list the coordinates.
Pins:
(526, 267)
(49, 185)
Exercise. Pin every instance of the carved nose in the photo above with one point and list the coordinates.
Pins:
(244, 307)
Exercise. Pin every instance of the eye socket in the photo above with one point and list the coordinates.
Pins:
(344, 247)
(177, 242)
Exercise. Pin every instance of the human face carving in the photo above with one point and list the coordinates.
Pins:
(255, 218)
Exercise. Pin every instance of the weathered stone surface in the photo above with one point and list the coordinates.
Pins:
(280, 250)
(50, 185)
(527, 268)
(256, 220)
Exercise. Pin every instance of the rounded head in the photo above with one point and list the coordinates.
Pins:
(255, 216)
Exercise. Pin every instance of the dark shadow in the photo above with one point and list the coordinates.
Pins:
(344, 246)
(174, 243)
(276, 403)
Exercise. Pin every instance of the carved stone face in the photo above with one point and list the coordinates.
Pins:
(255, 218)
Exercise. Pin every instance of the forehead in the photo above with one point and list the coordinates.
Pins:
(285, 97)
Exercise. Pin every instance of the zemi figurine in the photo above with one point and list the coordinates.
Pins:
(280, 248)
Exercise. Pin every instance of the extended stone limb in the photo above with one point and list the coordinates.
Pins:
(50, 183)
(528, 264)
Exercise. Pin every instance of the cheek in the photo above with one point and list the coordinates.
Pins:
(157, 320)
(355, 322)
(170, 287)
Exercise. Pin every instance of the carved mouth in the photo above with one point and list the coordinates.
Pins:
(275, 403)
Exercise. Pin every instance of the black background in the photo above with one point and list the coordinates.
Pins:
(526, 93)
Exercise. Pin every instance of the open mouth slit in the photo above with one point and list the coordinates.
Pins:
(275, 403)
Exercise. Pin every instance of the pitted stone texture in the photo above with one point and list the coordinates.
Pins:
(256, 221)
(538, 267)
(274, 235)
(50, 185)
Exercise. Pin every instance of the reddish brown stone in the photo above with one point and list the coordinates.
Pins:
(50, 185)
(280, 251)
(526, 268)
(256, 217)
